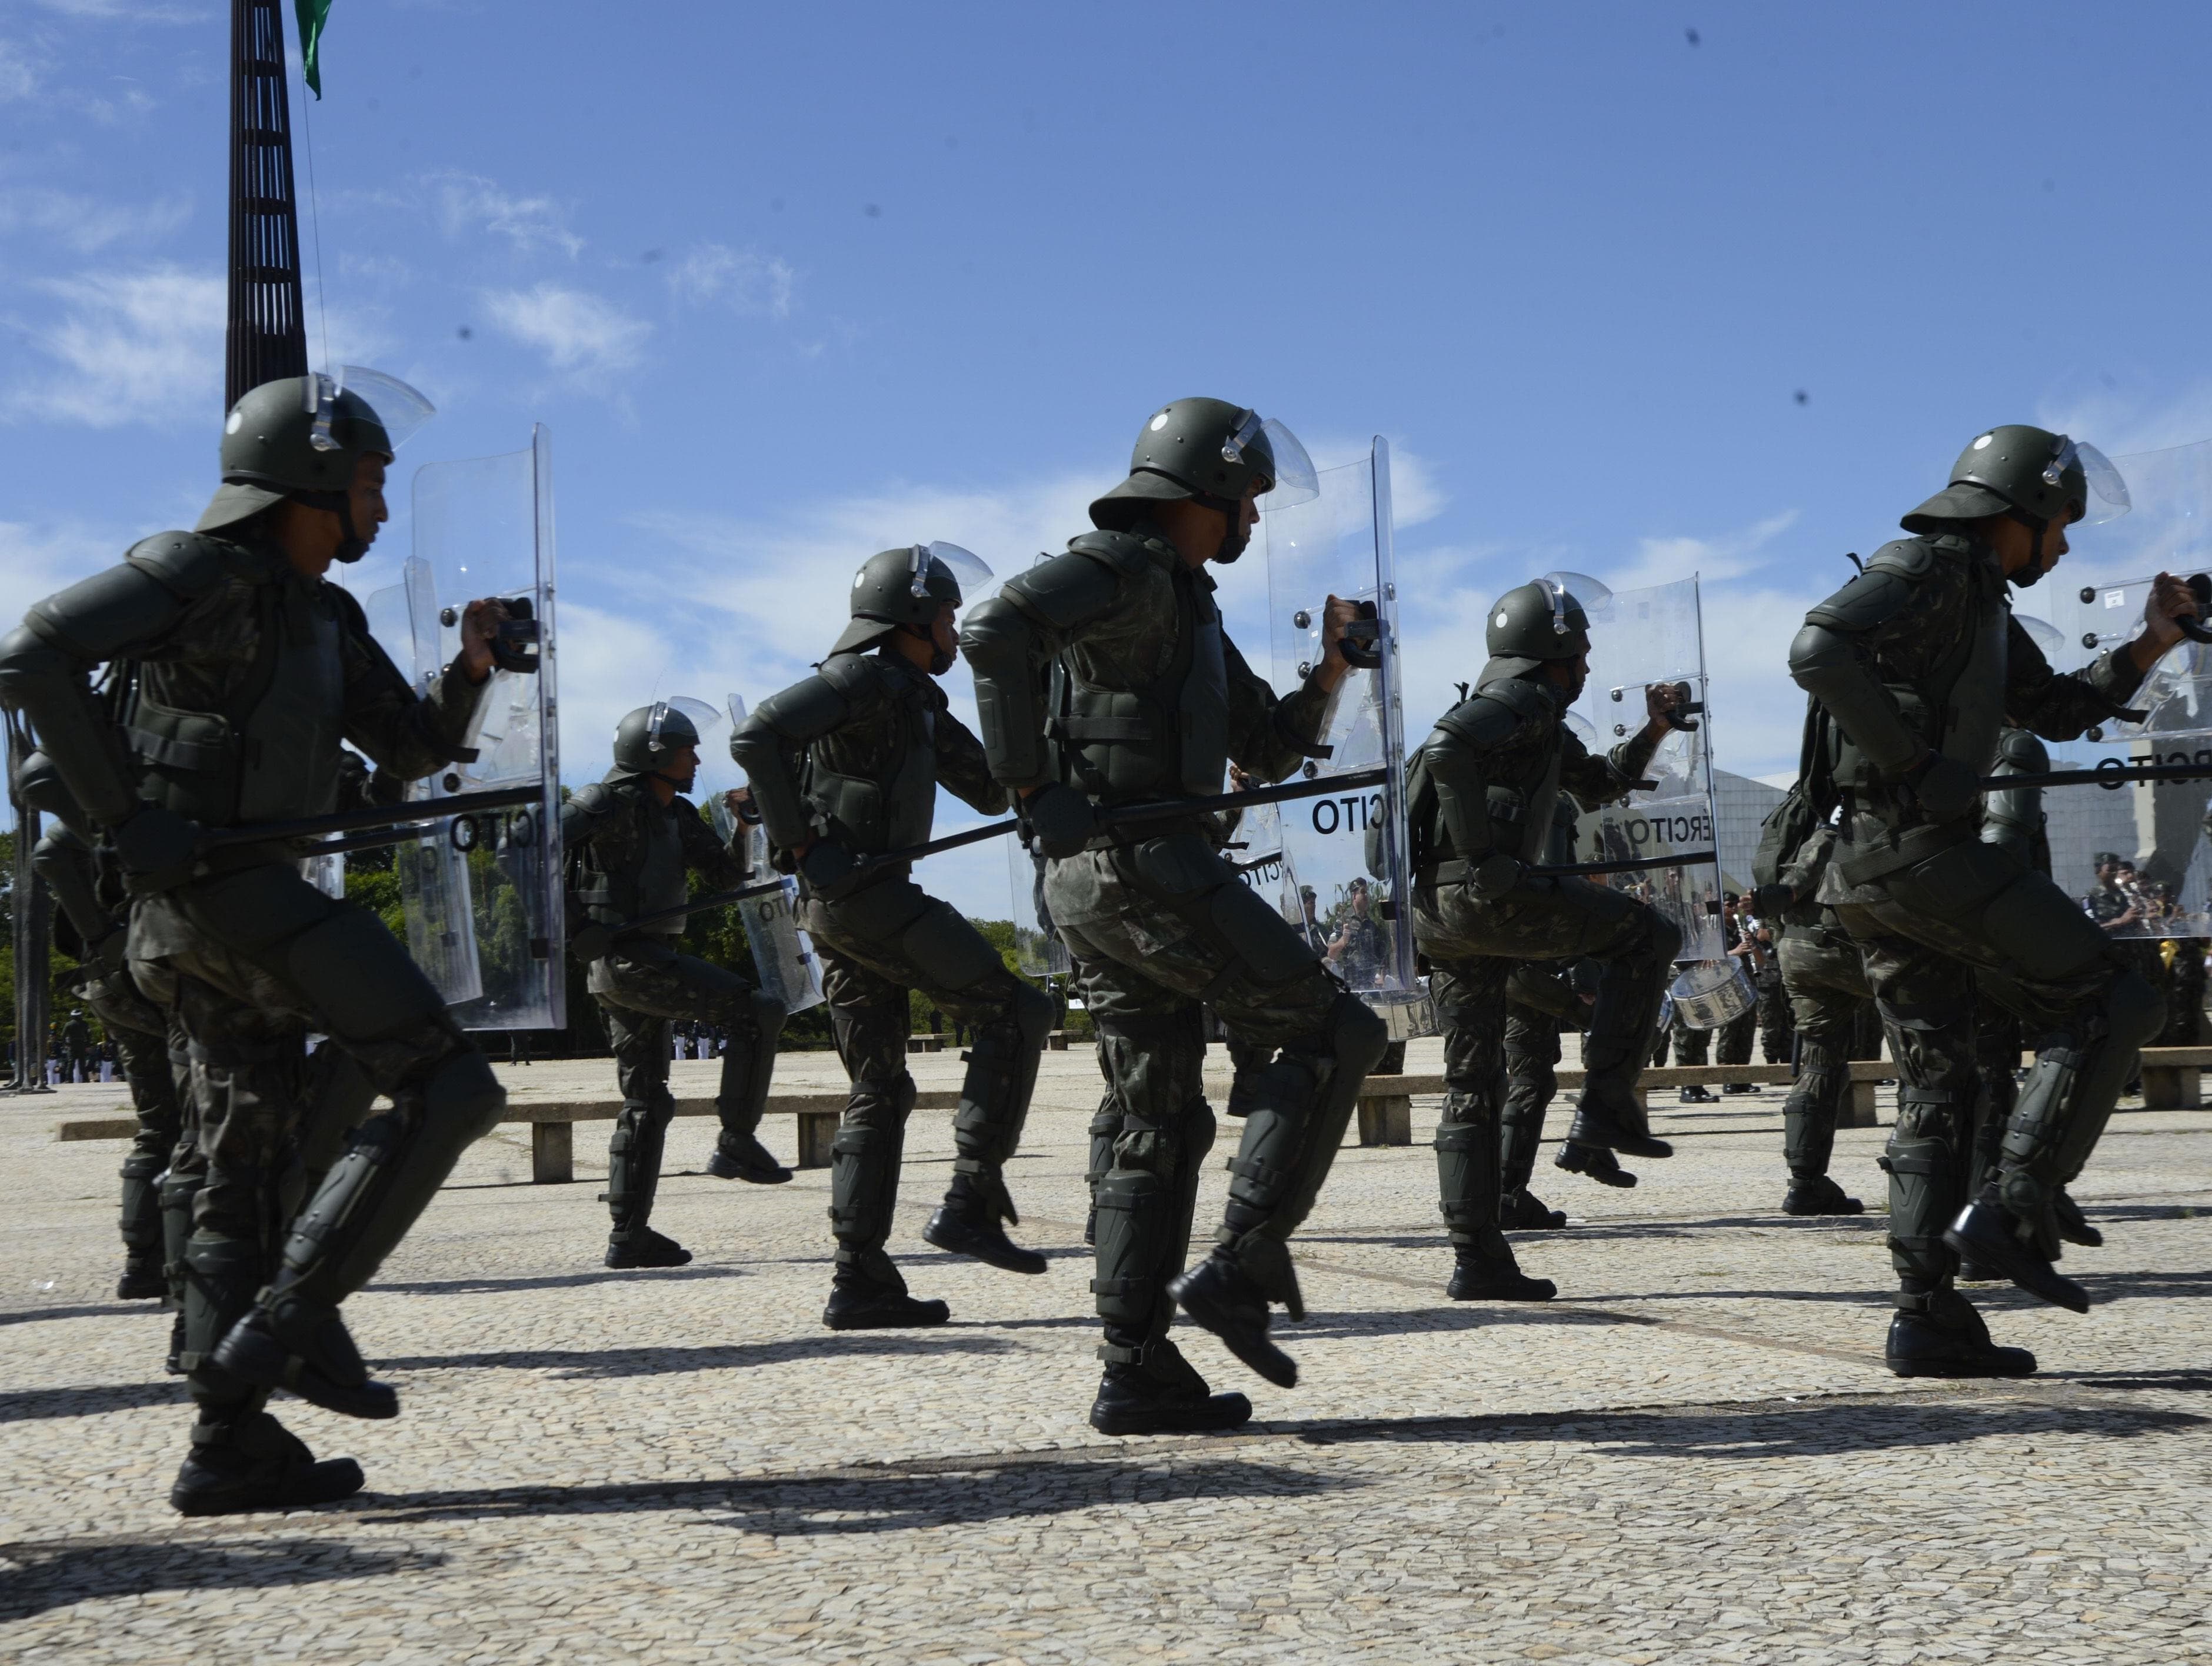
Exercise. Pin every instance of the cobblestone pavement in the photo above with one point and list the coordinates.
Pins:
(1693, 1456)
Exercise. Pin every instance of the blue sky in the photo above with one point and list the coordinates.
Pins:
(790, 284)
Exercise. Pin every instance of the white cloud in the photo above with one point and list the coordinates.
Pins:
(84, 224)
(469, 202)
(744, 281)
(19, 76)
(579, 333)
(35, 561)
(140, 346)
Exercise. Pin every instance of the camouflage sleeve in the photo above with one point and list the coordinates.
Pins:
(2060, 705)
(963, 771)
(407, 734)
(1595, 781)
(1269, 737)
(707, 856)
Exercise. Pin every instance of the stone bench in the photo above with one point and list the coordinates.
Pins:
(2172, 1077)
(932, 1041)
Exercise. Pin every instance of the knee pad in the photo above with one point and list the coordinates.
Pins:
(1033, 1015)
(358, 978)
(2134, 1012)
(1665, 940)
(462, 1096)
(1357, 1033)
(1133, 1226)
(947, 950)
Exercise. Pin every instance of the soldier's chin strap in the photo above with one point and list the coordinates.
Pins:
(939, 660)
(352, 546)
(2034, 572)
(1235, 539)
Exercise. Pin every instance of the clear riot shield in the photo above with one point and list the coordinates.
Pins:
(783, 954)
(481, 894)
(1349, 848)
(2159, 827)
(1639, 638)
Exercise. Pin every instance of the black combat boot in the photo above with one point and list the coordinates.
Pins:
(1988, 1235)
(741, 1157)
(2073, 1225)
(963, 1225)
(1594, 1161)
(645, 1248)
(1817, 1194)
(1218, 1295)
(1488, 1272)
(1612, 1117)
(858, 1304)
(1696, 1094)
(304, 1347)
(1522, 1211)
(1939, 1334)
(1161, 1393)
(144, 1278)
(254, 1463)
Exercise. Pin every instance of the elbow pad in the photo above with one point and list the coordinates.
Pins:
(1826, 665)
(762, 752)
(1003, 656)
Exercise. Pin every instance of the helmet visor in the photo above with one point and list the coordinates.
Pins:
(970, 571)
(2108, 497)
(680, 720)
(1293, 478)
(1568, 590)
(400, 410)
(2043, 634)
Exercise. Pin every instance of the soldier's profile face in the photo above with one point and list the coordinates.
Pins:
(369, 510)
(682, 766)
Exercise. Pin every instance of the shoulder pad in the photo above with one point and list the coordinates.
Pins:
(856, 676)
(1907, 556)
(813, 705)
(2025, 751)
(1873, 596)
(1525, 699)
(1070, 589)
(595, 798)
(189, 564)
(1123, 552)
(1485, 721)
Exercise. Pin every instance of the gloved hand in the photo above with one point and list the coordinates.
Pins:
(1494, 875)
(1771, 902)
(1061, 820)
(155, 846)
(1944, 787)
(828, 867)
(591, 941)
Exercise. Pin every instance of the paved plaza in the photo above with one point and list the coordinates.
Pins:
(1695, 1455)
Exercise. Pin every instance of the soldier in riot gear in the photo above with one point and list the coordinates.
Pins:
(845, 768)
(1488, 777)
(1914, 668)
(1543, 999)
(234, 672)
(631, 841)
(1103, 678)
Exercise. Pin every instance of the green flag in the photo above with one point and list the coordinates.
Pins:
(312, 14)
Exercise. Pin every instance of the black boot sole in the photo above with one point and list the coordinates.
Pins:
(325, 1482)
(725, 1168)
(908, 1315)
(1250, 1345)
(1522, 1290)
(141, 1287)
(628, 1262)
(1596, 1131)
(991, 1248)
(1850, 1206)
(1998, 1362)
(1212, 1415)
(1989, 1245)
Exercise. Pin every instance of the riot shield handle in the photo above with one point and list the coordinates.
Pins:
(518, 627)
(1684, 716)
(2200, 585)
(1361, 644)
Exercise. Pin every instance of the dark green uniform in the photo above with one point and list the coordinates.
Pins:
(1826, 984)
(851, 759)
(1115, 651)
(630, 855)
(1917, 665)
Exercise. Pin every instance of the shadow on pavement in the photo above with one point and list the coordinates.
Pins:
(1822, 1425)
(554, 1281)
(996, 1489)
(36, 1576)
(30, 1315)
(28, 1405)
(670, 1361)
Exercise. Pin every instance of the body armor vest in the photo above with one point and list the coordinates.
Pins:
(272, 753)
(1958, 710)
(1165, 738)
(1523, 776)
(872, 813)
(656, 877)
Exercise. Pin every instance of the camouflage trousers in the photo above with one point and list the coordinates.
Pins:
(1160, 930)
(1540, 1004)
(643, 986)
(877, 944)
(1473, 945)
(140, 1030)
(251, 961)
(1951, 912)
(1777, 1032)
(1827, 988)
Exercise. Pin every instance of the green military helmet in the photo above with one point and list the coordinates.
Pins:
(906, 587)
(2042, 475)
(1214, 451)
(649, 737)
(1547, 619)
(302, 436)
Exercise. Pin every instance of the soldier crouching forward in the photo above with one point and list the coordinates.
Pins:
(1481, 796)
(235, 672)
(632, 841)
(845, 768)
